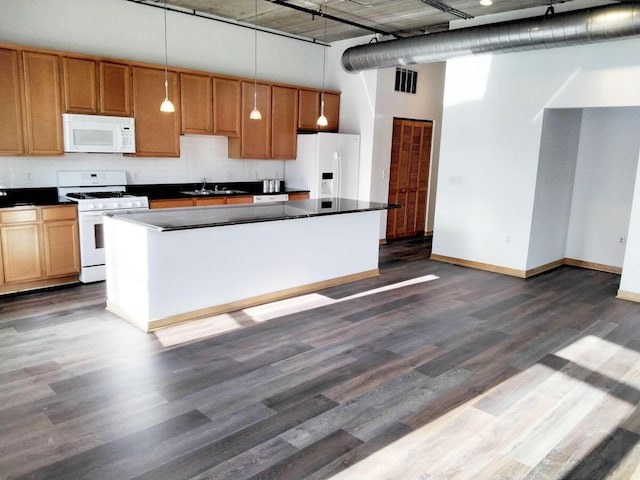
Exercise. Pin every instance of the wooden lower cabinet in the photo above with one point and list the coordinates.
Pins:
(298, 196)
(200, 202)
(172, 203)
(21, 252)
(206, 202)
(239, 200)
(38, 247)
(61, 248)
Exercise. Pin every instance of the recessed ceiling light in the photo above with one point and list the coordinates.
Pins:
(486, 3)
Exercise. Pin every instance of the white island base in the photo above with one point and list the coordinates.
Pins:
(157, 278)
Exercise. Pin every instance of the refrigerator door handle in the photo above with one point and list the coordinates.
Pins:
(338, 161)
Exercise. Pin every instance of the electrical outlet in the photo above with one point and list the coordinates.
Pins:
(621, 240)
(29, 178)
(508, 239)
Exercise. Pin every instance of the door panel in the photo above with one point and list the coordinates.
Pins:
(409, 177)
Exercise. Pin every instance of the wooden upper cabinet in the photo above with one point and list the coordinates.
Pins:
(309, 109)
(331, 111)
(80, 85)
(43, 106)
(11, 115)
(94, 87)
(196, 103)
(284, 118)
(255, 139)
(157, 133)
(115, 89)
(226, 106)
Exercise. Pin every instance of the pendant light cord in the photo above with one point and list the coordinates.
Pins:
(255, 48)
(324, 47)
(166, 60)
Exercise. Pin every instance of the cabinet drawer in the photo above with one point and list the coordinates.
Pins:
(59, 213)
(171, 203)
(18, 216)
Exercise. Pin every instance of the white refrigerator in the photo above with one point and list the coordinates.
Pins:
(328, 165)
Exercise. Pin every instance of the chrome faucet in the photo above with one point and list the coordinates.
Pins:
(204, 184)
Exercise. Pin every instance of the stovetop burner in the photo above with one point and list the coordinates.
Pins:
(89, 195)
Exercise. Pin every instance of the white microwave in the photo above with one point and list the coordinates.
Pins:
(98, 133)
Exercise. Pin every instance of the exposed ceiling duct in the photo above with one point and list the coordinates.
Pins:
(610, 22)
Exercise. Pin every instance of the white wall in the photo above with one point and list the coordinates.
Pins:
(369, 106)
(604, 184)
(120, 29)
(554, 185)
(492, 126)
(201, 156)
(630, 280)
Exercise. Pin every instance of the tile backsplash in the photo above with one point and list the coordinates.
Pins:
(200, 156)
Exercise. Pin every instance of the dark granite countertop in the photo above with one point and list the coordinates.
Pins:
(163, 191)
(18, 197)
(203, 217)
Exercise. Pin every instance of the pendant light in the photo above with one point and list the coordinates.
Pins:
(166, 105)
(255, 113)
(322, 120)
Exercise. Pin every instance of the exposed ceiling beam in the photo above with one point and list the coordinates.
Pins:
(320, 13)
(446, 8)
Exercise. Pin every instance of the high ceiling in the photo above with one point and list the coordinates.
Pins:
(399, 18)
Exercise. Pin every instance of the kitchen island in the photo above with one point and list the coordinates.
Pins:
(173, 265)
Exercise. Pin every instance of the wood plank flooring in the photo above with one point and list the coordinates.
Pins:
(429, 371)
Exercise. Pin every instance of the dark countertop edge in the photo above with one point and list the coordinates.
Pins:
(254, 220)
(164, 191)
(29, 197)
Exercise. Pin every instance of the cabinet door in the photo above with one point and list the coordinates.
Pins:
(196, 103)
(284, 122)
(298, 196)
(255, 137)
(309, 109)
(21, 252)
(331, 111)
(115, 89)
(226, 107)
(171, 203)
(79, 85)
(240, 200)
(157, 133)
(204, 202)
(42, 100)
(11, 118)
(61, 250)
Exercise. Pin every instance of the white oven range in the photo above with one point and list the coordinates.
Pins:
(96, 192)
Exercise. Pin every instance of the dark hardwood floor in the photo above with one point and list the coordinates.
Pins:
(429, 371)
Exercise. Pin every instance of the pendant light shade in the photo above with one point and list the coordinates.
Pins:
(255, 113)
(166, 105)
(322, 120)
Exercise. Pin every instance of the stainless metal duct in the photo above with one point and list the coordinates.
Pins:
(610, 22)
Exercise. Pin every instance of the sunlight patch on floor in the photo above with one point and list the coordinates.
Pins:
(540, 422)
(218, 324)
(197, 329)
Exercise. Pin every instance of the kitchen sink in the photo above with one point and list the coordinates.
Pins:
(205, 193)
